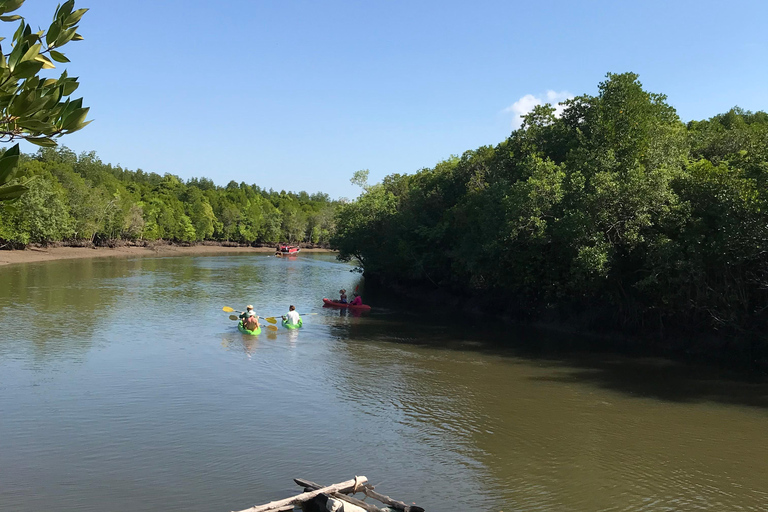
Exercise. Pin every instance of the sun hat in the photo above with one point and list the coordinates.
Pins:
(248, 307)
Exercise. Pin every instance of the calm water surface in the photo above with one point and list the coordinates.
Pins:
(124, 387)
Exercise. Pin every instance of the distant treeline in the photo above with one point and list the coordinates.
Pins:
(80, 198)
(615, 213)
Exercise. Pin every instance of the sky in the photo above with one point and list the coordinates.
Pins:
(298, 95)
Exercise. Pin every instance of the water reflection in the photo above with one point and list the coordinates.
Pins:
(57, 307)
(149, 397)
(551, 444)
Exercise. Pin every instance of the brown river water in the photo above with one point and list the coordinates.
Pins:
(124, 387)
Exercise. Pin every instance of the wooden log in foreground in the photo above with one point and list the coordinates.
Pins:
(348, 486)
(368, 491)
(349, 499)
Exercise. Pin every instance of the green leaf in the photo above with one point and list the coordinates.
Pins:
(20, 104)
(54, 98)
(73, 18)
(13, 17)
(82, 125)
(12, 192)
(19, 31)
(47, 64)
(75, 119)
(15, 55)
(38, 104)
(32, 53)
(65, 9)
(45, 142)
(69, 87)
(8, 163)
(10, 5)
(58, 56)
(34, 125)
(65, 37)
(79, 127)
(27, 69)
(53, 32)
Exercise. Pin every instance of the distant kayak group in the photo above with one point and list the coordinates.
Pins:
(248, 320)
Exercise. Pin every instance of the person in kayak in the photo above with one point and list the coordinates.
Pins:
(292, 317)
(249, 318)
(342, 296)
(247, 313)
(357, 301)
(251, 323)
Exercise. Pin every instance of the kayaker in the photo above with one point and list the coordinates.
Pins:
(249, 319)
(247, 313)
(251, 323)
(357, 301)
(292, 317)
(343, 296)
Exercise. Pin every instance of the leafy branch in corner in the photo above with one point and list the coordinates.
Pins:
(33, 107)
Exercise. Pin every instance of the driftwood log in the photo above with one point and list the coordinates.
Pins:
(343, 487)
(309, 485)
(399, 505)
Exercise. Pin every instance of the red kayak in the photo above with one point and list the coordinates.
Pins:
(333, 304)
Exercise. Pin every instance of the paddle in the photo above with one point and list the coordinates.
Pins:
(273, 319)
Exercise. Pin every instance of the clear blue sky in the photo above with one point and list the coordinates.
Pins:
(298, 95)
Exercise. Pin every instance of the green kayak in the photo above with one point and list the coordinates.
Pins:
(246, 331)
(292, 326)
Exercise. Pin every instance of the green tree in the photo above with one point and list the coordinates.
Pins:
(615, 212)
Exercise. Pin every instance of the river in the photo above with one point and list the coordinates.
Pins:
(125, 387)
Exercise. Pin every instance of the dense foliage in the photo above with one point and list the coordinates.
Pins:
(32, 107)
(615, 211)
(81, 198)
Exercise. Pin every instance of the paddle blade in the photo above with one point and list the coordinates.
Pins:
(227, 309)
(272, 327)
(271, 320)
(233, 317)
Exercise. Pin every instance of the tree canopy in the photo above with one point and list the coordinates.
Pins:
(615, 212)
(75, 197)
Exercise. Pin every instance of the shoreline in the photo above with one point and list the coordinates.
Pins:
(43, 254)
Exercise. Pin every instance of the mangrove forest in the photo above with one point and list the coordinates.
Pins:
(615, 214)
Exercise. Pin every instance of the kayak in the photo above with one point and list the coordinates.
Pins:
(246, 331)
(292, 326)
(288, 249)
(333, 304)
